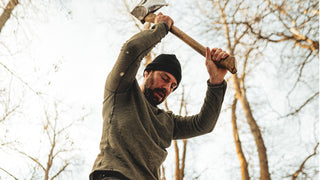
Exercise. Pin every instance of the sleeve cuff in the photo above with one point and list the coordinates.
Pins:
(223, 84)
(162, 24)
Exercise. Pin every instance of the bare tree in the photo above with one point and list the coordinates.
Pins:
(234, 39)
(297, 27)
(8, 110)
(247, 29)
(59, 149)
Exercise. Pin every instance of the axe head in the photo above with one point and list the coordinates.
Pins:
(145, 7)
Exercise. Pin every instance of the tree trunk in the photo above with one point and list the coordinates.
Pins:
(241, 96)
(183, 159)
(7, 12)
(255, 130)
(177, 160)
(242, 158)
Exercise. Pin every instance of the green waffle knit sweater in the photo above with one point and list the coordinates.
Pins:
(135, 133)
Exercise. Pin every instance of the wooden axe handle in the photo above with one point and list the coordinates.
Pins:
(229, 63)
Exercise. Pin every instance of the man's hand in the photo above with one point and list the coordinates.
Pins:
(163, 18)
(216, 74)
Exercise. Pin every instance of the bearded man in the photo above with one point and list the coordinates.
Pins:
(136, 132)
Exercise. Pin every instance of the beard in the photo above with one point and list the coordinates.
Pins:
(150, 93)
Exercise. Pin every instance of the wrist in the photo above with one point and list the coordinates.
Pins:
(215, 81)
(223, 84)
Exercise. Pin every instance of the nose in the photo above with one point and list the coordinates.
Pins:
(167, 87)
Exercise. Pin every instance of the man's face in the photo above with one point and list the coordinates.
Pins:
(158, 85)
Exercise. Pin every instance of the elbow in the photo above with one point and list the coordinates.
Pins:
(207, 130)
(130, 48)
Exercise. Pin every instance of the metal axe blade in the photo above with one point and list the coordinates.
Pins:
(146, 7)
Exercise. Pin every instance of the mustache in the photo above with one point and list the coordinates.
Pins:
(162, 91)
(153, 100)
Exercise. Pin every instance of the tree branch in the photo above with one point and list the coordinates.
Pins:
(60, 171)
(23, 82)
(300, 170)
(5, 16)
(32, 158)
(304, 104)
(8, 112)
(8, 173)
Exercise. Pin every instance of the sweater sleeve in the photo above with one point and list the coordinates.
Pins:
(204, 122)
(132, 52)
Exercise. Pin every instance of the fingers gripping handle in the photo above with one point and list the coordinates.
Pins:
(229, 63)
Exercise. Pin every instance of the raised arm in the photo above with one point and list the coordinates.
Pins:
(132, 52)
(205, 121)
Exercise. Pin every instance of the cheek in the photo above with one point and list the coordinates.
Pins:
(149, 82)
(154, 83)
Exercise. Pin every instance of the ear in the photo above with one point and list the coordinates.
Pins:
(147, 73)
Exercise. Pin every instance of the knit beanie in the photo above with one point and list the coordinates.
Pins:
(168, 63)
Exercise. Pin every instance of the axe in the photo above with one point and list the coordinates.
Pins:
(144, 12)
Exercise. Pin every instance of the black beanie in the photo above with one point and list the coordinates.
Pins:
(168, 63)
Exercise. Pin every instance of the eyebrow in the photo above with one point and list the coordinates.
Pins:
(166, 76)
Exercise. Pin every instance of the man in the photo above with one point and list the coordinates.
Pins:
(135, 132)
